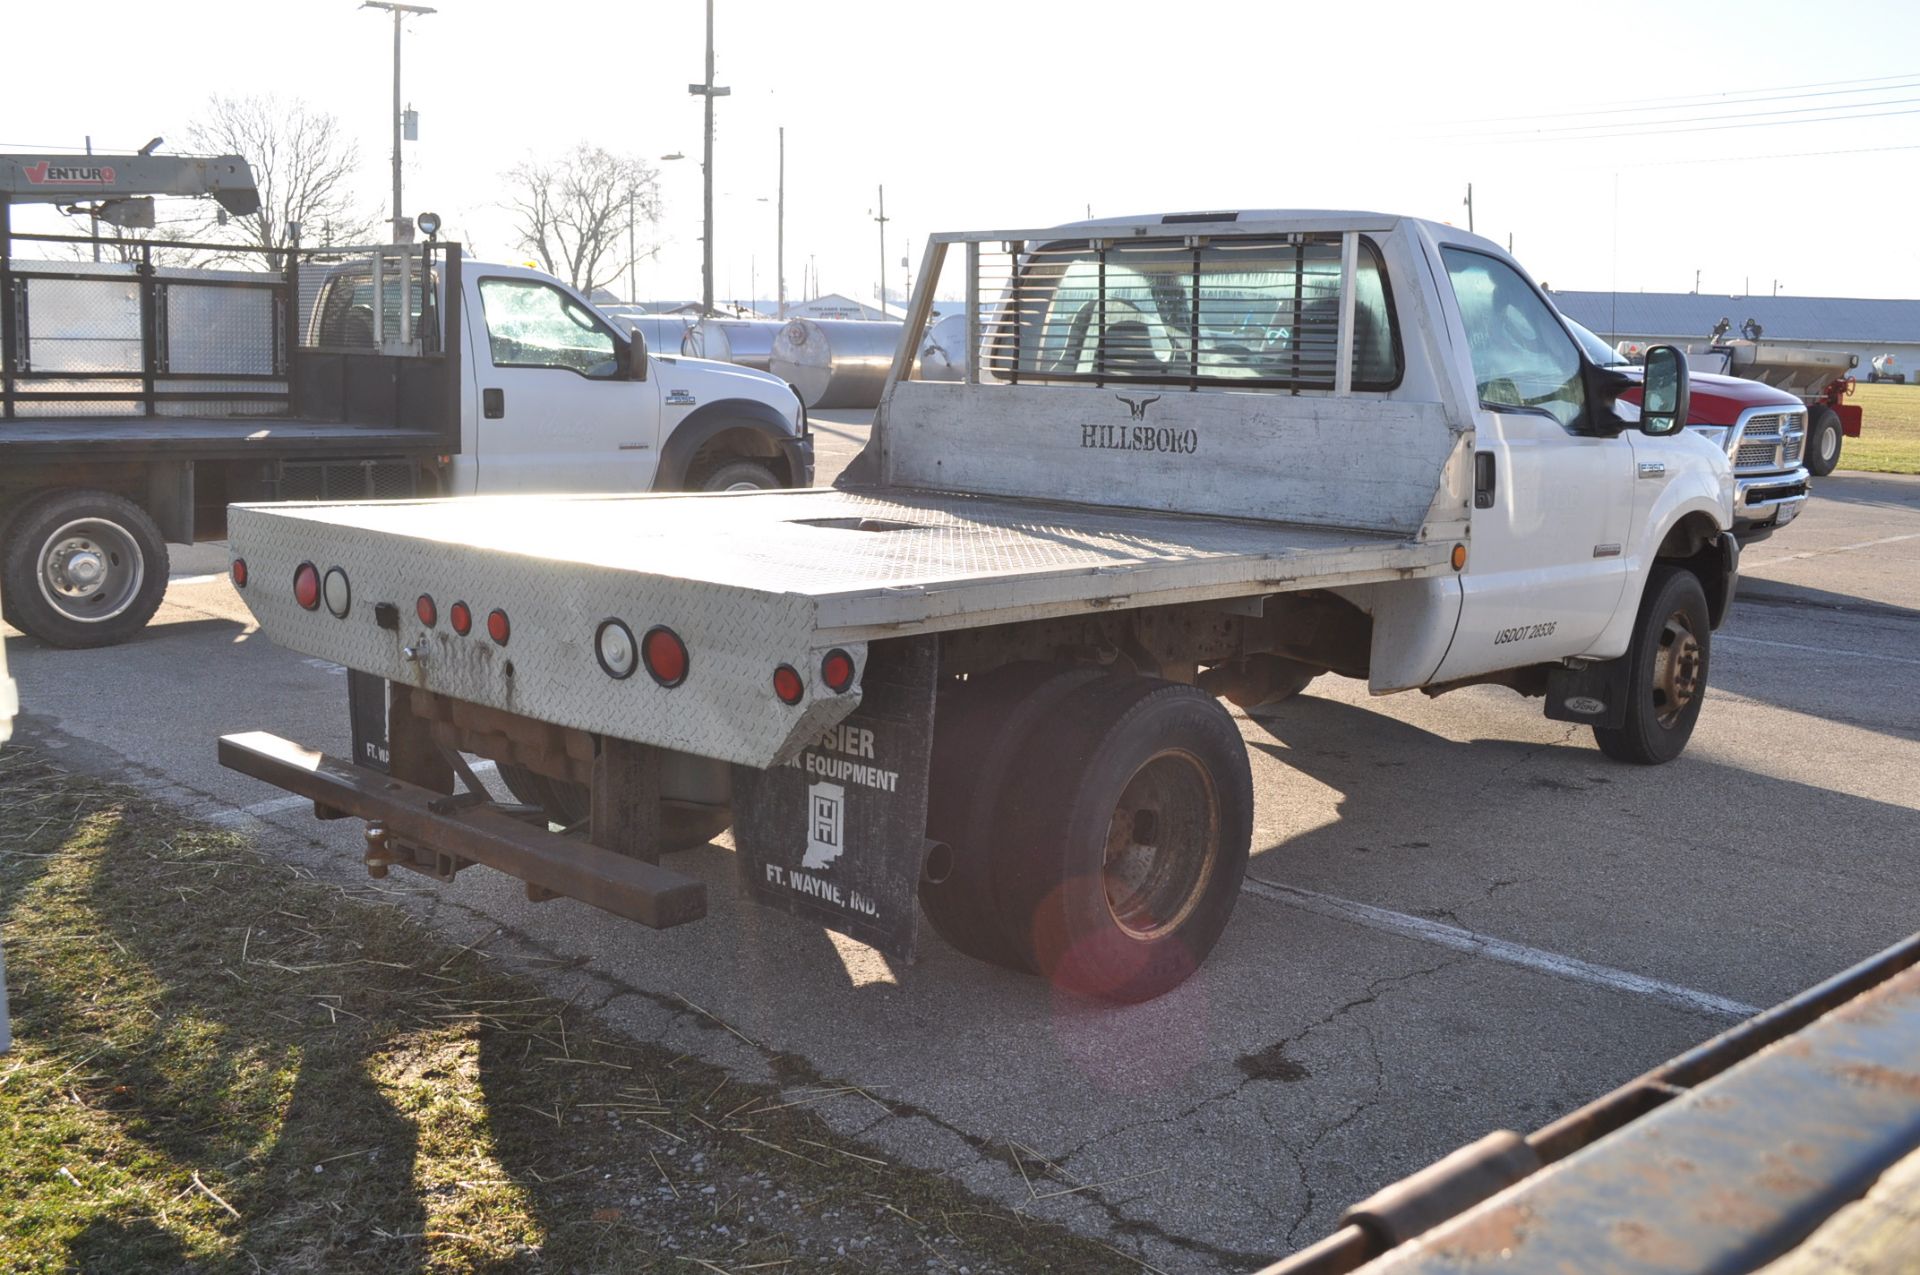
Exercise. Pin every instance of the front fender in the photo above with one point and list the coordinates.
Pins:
(1707, 498)
(703, 423)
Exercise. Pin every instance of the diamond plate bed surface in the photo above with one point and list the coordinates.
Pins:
(775, 542)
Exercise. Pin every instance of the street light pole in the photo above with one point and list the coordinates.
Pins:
(881, 217)
(708, 90)
(399, 11)
(780, 229)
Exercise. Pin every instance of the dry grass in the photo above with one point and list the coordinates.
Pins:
(220, 1066)
(1889, 441)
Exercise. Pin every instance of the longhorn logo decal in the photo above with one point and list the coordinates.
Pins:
(1138, 406)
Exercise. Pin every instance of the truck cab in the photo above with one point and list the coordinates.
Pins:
(558, 396)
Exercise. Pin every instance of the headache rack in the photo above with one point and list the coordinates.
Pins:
(163, 328)
(1190, 302)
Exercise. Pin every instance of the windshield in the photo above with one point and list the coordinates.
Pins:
(1602, 354)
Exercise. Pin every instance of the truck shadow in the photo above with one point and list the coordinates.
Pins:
(1752, 882)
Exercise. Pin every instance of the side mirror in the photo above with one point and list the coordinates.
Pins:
(1663, 403)
(636, 355)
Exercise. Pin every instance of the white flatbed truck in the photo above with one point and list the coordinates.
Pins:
(1197, 456)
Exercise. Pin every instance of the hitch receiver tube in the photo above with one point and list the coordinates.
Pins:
(640, 891)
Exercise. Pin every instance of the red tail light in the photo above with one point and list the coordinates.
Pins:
(425, 609)
(665, 656)
(239, 573)
(787, 684)
(837, 671)
(497, 627)
(460, 618)
(306, 586)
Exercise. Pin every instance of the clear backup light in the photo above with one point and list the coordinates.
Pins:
(614, 647)
(338, 593)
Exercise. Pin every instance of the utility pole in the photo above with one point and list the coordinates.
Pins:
(881, 217)
(633, 262)
(400, 233)
(708, 90)
(1469, 202)
(780, 230)
(1696, 283)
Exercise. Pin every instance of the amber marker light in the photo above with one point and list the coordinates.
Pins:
(1459, 557)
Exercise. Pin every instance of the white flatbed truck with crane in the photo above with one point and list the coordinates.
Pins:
(1197, 456)
(139, 398)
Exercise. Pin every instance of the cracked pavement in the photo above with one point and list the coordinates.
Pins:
(1314, 1059)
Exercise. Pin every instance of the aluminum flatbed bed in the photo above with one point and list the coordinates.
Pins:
(873, 565)
(746, 580)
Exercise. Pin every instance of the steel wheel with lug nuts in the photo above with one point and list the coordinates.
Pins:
(84, 568)
(1127, 837)
(1666, 673)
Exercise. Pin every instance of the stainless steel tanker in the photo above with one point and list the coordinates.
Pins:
(835, 362)
(748, 342)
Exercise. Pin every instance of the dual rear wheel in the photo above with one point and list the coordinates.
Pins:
(1099, 824)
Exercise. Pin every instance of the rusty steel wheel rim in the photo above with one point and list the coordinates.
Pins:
(1163, 843)
(1676, 669)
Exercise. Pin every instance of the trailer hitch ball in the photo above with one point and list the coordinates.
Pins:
(377, 857)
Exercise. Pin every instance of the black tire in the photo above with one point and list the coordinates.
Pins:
(683, 824)
(1824, 439)
(742, 475)
(1667, 668)
(980, 727)
(1163, 766)
(41, 569)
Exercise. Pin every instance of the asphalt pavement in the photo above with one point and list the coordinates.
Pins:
(1460, 916)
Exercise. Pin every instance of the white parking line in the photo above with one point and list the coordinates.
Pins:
(1817, 650)
(1821, 553)
(208, 579)
(1495, 949)
(274, 805)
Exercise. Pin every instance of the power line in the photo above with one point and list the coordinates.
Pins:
(1643, 128)
(1743, 159)
(1698, 99)
(1714, 128)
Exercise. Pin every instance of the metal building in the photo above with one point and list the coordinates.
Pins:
(1864, 327)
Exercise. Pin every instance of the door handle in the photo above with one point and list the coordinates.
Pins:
(1483, 480)
(493, 404)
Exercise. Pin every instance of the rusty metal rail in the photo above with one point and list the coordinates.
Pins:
(461, 834)
(1790, 1140)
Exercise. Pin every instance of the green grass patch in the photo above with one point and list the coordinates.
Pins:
(220, 1065)
(1889, 441)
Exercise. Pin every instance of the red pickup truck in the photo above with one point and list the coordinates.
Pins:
(1763, 429)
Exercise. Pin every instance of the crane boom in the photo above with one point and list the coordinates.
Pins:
(62, 179)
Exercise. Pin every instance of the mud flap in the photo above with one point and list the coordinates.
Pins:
(367, 714)
(838, 835)
(1594, 694)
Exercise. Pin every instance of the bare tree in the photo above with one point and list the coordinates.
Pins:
(303, 163)
(575, 213)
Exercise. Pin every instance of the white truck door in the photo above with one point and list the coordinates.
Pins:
(1546, 564)
(557, 411)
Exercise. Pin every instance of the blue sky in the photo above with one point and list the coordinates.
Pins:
(1619, 145)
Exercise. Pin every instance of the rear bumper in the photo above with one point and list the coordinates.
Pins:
(1768, 501)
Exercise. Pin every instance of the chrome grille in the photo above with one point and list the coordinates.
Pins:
(1771, 442)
